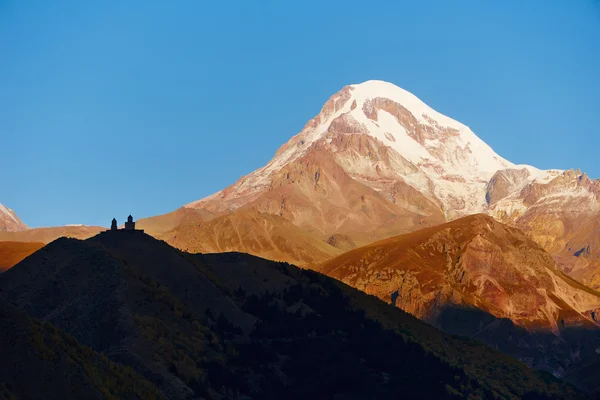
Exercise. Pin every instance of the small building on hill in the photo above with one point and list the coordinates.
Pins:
(129, 226)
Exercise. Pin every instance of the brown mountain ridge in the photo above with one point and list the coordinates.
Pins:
(479, 278)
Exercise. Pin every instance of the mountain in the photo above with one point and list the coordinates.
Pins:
(13, 252)
(39, 361)
(237, 326)
(378, 162)
(377, 158)
(475, 261)
(251, 232)
(9, 222)
(467, 275)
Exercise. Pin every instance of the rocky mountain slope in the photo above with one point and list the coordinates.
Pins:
(555, 210)
(231, 325)
(478, 263)
(9, 222)
(472, 261)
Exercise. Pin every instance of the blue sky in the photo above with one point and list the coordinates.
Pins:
(108, 109)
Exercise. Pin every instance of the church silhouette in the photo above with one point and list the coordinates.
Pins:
(129, 226)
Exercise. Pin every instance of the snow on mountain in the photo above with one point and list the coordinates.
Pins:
(446, 136)
(452, 163)
(9, 220)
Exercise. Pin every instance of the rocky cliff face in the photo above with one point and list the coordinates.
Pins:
(552, 209)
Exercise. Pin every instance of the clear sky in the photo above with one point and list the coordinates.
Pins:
(108, 109)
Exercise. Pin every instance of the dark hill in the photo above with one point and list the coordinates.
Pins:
(233, 325)
(39, 361)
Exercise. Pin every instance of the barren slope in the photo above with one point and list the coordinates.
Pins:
(161, 224)
(251, 232)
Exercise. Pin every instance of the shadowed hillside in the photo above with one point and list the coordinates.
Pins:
(39, 361)
(231, 324)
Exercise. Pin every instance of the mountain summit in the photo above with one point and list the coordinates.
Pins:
(379, 133)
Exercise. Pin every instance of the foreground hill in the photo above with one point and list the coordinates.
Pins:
(233, 324)
(255, 233)
(13, 252)
(466, 274)
(39, 361)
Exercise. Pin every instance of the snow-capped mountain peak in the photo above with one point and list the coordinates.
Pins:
(383, 136)
(426, 135)
(436, 147)
(403, 122)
